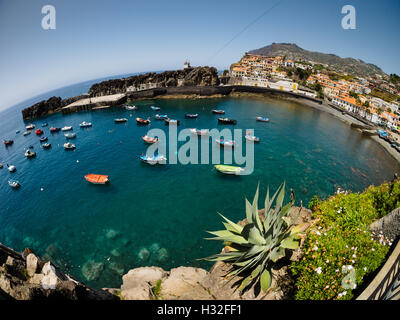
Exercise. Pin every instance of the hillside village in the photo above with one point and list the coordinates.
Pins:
(376, 99)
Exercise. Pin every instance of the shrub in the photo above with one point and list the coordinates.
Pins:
(341, 244)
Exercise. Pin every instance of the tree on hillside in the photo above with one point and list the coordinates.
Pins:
(379, 111)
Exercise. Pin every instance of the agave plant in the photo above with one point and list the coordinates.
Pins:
(254, 248)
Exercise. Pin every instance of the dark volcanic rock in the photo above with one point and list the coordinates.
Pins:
(45, 107)
(199, 76)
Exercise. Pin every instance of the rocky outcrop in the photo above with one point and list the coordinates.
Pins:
(388, 226)
(199, 76)
(26, 277)
(48, 106)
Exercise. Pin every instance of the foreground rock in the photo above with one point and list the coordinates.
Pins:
(26, 277)
(187, 283)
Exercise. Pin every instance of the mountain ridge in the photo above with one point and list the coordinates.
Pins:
(344, 65)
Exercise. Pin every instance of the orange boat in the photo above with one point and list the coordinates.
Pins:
(97, 178)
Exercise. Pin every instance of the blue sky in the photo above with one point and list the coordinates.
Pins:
(96, 38)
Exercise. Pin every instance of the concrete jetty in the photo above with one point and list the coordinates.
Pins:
(95, 103)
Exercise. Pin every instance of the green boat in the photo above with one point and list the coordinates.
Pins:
(229, 169)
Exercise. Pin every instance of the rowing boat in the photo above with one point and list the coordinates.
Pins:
(229, 169)
(225, 143)
(97, 178)
(218, 111)
(158, 159)
(142, 121)
(262, 119)
(148, 139)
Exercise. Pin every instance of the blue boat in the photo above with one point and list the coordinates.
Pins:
(158, 159)
(382, 133)
(161, 116)
(263, 119)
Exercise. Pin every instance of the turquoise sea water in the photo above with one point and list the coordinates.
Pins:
(158, 215)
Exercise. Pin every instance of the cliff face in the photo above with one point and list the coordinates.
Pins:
(199, 76)
(25, 277)
(47, 106)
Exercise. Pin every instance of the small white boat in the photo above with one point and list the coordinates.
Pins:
(27, 132)
(17, 131)
(200, 132)
(66, 128)
(30, 154)
(155, 108)
(85, 124)
(251, 138)
(11, 168)
(46, 145)
(13, 184)
(225, 143)
(69, 146)
(70, 135)
(262, 119)
(30, 126)
(159, 159)
(131, 108)
(120, 120)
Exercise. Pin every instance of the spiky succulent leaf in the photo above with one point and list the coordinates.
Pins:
(252, 234)
(290, 243)
(265, 280)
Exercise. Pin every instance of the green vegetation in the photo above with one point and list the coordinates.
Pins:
(157, 289)
(384, 95)
(340, 250)
(254, 248)
(394, 78)
(26, 275)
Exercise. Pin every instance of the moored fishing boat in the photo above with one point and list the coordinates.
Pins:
(161, 116)
(169, 121)
(53, 130)
(71, 135)
(120, 120)
(17, 131)
(27, 132)
(30, 154)
(226, 121)
(85, 124)
(11, 168)
(218, 111)
(158, 159)
(97, 178)
(225, 143)
(39, 132)
(30, 126)
(131, 108)
(66, 128)
(200, 132)
(8, 142)
(45, 124)
(155, 108)
(13, 183)
(191, 115)
(148, 139)
(43, 139)
(252, 138)
(229, 169)
(262, 119)
(69, 146)
(143, 121)
(46, 145)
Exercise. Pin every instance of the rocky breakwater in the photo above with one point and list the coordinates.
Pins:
(190, 77)
(24, 276)
(45, 107)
